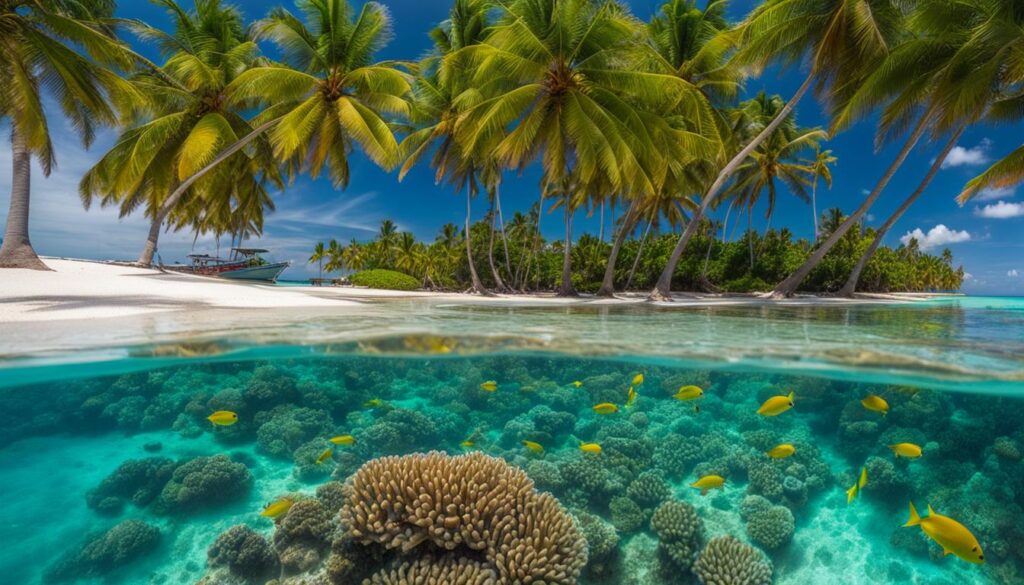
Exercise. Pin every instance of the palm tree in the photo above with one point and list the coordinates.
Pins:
(190, 122)
(442, 80)
(319, 253)
(58, 49)
(327, 97)
(820, 167)
(841, 39)
(335, 260)
(387, 240)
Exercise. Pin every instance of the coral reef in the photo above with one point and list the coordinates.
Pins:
(203, 482)
(727, 561)
(244, 552)
(136, 480)
(680, 532)
(106, 552)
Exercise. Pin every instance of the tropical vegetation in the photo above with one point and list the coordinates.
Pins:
(647, 118)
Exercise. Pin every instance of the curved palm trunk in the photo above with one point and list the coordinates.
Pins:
(608, 282)
(750, 235)
(662, 289)
(814, 205)
(601, 237)
(478, 287)
(639, 253)
(567, 290)
(851, 283)
(788, 287)
(498, 283)
(150, 248)
(17, 251)
(501, 225)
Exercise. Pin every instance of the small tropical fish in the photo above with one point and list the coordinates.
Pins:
(223, 418)
(533, 447)
(876, 404)
(630, 397)
(590, 448)
(776, 405)
(605, 408)
(952, 536)
(467, 444)
(489, 386)
(854, 490)
(908, 450)
(324, 456)
(688, 393)
(277, 509)
(373, 403)
(578, 384)
(782, 451)
(343, 440)
(708, 483)
(638, 379)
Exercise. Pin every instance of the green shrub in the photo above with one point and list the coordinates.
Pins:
(386, 279)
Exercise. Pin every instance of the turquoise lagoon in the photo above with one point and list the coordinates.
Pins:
(103, 424)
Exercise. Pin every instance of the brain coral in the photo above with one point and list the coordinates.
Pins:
(771, 527)
(679, 531)
(727, 561)
(472, 504)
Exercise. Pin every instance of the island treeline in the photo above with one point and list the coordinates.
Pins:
(614, 110)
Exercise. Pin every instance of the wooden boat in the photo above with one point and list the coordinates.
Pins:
(244, 264)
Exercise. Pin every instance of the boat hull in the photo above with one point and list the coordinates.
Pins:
(267, 272)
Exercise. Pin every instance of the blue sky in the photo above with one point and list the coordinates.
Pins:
(984, 236)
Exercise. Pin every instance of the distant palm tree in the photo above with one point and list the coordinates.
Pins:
(57, 49)
(820, 167)
(387, 239)
(319, 253)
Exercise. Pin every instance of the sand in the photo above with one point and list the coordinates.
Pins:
(81, 289)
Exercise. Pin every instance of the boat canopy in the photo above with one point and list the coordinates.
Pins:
(250, 251)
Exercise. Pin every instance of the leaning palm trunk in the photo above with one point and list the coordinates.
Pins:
(662, 289)
(149, 250)
(17, 251)
(851, 282)
(498, 283)
(608, 282)
(639, 253)
(814, 205)
(788, 287)
(477, 286)
(501, 225)
(567, 290)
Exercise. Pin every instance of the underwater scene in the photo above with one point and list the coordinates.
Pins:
(429, 458)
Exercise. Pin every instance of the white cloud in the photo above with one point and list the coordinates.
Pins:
(1012, 273)
(968, 276)
(1001, 210)
(939, 235)
(970, 157)
(993, 193)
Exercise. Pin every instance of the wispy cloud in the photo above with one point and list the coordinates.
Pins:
(939, 235)
(1013, 273)
(348, 212)
(970, 157)
(993, 193)
(1001, 210)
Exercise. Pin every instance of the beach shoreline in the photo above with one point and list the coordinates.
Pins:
(85, 289)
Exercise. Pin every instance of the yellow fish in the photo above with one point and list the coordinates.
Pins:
(467, 444)
(876, 404)
(374, 403)
(630, 397)
(782, 451)
(533, 447)
(578, 384)
(489, 386)
(776, 405)
(343, 440)
(688, 393)
(638, 379)
(223, 418)
(908, 450)
(952, 536)
(605, 408)
(708, 483)
(854, 490)
(277, 509)
(590, 448)
(324, 456)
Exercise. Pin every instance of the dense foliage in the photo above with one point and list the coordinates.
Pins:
(709, 265)
(386, 279)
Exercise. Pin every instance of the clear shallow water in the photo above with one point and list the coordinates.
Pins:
(949, 370)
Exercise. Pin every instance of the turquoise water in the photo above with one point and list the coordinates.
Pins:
(99, 430)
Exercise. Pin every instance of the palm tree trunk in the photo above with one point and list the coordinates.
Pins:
(601, 236)
(498, 283)
(750, 236)
(608, 282)
(814, 205)
(567, 290)
(639, 253)
(17, 251)
(150, 248)
(787, 287)
(501, 224)
(662, 289)
(851, 282)
(477, 286)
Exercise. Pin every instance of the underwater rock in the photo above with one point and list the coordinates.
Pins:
(771, 527)
(626, 515)
(286, 428)
(137, 480)
(468, 504)
(244, 552)
(727, 561)
(106, 552)
(203, 482)
(680, 532)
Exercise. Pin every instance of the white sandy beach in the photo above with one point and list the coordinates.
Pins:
(80, 289)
